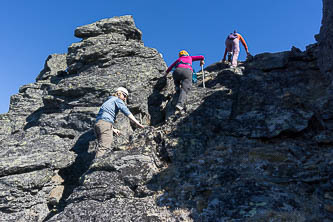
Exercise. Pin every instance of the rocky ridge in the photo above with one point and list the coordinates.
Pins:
(254, 145)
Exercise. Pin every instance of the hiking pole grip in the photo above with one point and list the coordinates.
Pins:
(203, 77)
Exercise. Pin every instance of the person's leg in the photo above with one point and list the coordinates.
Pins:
(104, 134)
(235, 52)
(177, 78)
(235, 58)
(229, 56)
(186, 87)
(228, 45)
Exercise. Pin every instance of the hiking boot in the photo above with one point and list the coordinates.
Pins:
(229, 56)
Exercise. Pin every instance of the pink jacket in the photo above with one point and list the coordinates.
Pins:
(185, 59)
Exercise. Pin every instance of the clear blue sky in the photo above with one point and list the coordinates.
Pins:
(32, 30)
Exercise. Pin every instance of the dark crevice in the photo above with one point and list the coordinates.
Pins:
(64, 136)
(314, 126)
(155, 101)
(287, 134)
(32, 119)
(60, 76)
(72, 173)
(6, 210)
(325, 145)
(5, 173)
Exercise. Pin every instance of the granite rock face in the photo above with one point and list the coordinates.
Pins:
(325, 39)
(254, 145)
(46, 137)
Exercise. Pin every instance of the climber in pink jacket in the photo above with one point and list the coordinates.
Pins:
(182, 75)
(232, 47)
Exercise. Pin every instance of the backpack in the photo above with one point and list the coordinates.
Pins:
(194, 74)
(232, 36)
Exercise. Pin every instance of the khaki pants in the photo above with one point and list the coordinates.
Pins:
(104, 134)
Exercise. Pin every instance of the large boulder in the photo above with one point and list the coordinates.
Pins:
(123, 25)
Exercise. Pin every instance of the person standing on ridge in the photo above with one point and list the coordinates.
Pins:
(106, 118)
(232, 48)
(182, 75)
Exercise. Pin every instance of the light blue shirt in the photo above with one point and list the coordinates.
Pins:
(109, 110)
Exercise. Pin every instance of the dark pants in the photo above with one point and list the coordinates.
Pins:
(183, 80)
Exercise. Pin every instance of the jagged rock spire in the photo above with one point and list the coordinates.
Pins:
(123, 25)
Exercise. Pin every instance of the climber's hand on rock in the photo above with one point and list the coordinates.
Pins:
(117, 132)
(140, 125)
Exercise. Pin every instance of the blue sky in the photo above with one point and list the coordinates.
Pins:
(32, 30)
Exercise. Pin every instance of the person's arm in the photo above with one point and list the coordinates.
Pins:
(116, 131)
(225, 54)
(201, 58)
(131, 117)
(170, 67)
(244, 43)
(196, 58)
(123, 108)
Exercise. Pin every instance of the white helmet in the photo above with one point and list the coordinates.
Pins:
(123, 90)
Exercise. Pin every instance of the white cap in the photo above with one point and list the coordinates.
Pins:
(123, 90)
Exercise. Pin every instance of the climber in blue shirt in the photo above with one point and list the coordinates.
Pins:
(106, 118)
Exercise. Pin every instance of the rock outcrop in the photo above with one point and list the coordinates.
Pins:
(47, 132)
(325, 39)
(254, 145)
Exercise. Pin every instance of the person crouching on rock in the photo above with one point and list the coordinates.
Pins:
(232, 48)
(106, 117)
(182, 75)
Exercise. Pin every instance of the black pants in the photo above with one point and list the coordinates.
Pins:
(183, 80)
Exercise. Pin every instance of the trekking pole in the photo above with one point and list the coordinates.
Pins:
(203, 77)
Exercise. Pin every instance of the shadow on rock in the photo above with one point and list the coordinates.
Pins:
(72, 173)
(218, 171)
(194, 177)
(32, 119)
(155, 101)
